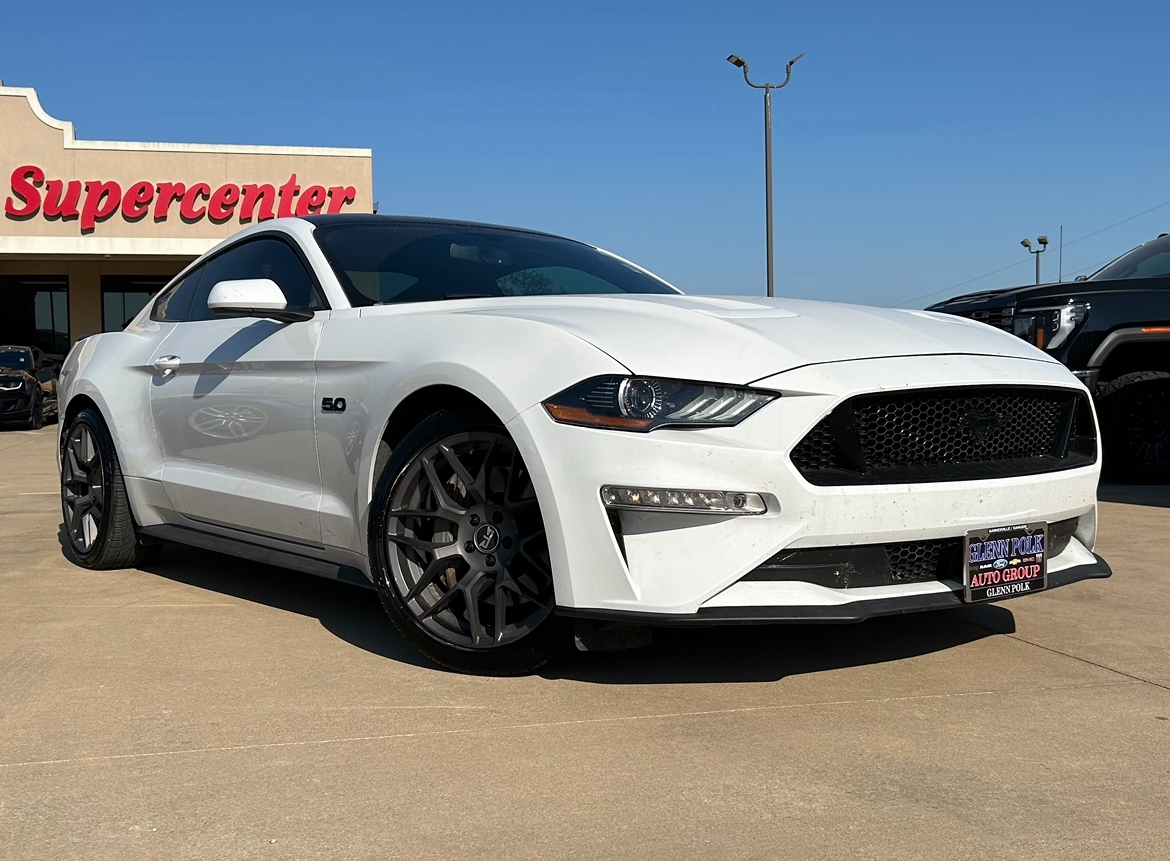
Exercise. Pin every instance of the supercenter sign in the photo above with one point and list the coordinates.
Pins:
(92, 202)
(61, 195)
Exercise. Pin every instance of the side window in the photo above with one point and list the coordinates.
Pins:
(174, 305)
(260, 258)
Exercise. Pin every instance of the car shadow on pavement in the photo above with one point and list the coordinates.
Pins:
(765, 653)
(1157, 495)
(748, 653)
(350, 613)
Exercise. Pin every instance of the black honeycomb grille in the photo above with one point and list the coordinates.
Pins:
(948, 435)
(818, 449)
(948, 429)
(917, 561)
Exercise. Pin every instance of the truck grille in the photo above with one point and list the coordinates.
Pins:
(949, 435)
(1001, 318)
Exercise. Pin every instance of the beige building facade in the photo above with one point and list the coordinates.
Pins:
(92, 229)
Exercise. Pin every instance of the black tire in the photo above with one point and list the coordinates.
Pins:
(36, 418)
(1135, 427)
(98, 522)
(437, 584)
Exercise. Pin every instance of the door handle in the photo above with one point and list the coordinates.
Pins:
(167, 365)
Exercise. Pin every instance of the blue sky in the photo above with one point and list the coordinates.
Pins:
(917, 143)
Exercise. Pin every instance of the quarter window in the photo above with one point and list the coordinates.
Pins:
(124, 296)
(174, 305)
(260, 258)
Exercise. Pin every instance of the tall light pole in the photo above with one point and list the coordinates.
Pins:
(1043, 240)
(741, 63)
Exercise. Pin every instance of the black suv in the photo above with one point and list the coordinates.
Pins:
(1112, 329)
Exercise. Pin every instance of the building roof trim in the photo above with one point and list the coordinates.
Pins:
(102, 246)
(71, 141)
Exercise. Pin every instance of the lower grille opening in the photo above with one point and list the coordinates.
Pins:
(855, 566)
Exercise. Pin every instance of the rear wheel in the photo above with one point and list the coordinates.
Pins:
(458, 548)
(98, 521)
(1135, 426)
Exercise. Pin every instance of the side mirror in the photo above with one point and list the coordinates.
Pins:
(45, 363)
(253, 297)
(1081, 278)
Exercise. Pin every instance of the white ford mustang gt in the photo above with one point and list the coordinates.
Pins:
(518, 439)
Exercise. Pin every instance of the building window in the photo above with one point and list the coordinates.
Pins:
(123, 296)
(35, 312)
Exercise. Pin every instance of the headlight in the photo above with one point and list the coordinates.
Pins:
(11, 385)
(646, 403)
(1048, 328)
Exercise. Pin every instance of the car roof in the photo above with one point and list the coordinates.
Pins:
(370, 218)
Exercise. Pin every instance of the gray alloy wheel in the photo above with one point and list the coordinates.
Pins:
(83, 491)
(98, 521)
(465, 543)
(458, 551)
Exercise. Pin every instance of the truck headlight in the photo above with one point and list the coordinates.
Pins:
(1048, 328)
(646, 403)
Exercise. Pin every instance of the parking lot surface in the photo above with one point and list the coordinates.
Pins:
(210, 708)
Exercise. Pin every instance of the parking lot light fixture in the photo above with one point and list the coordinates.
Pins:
(1036, 252)
(741, 63)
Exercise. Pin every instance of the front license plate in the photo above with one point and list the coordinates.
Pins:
(1005, 561)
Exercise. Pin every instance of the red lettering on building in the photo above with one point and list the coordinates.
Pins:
(31, 195)
(167, 192)
(187, 209)
(288, 193)
(223, 203)
(101, 201)
(136, 201)
(339, 196)
(265, 195)
(311, 200)
(24, 186)
(61, 200)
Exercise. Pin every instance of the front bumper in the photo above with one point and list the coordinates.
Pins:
(15, 407)
(692, 565)
(853, 611)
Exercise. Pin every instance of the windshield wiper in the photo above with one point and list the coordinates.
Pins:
(466, 296)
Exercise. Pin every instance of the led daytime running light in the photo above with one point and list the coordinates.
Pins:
(664, 499)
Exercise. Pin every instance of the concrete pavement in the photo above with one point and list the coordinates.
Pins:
(209, 708)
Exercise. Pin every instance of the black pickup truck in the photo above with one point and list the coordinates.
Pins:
(1112, 329)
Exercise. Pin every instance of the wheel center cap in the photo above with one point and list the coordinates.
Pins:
(487, 538)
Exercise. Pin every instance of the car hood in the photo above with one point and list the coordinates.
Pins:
(740, 340)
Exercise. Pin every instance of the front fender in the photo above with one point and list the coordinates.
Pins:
(377, 362)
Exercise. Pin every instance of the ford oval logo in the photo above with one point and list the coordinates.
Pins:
(1001, 563)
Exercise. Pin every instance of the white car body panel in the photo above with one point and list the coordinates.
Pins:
(236, 427)
(303, 479)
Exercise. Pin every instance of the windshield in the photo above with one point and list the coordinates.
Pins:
(394, 262)
(1150, 260)
(16, 360)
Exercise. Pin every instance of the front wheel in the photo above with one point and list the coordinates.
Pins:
(458, 549)
(36, 418)
(1135, 427)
